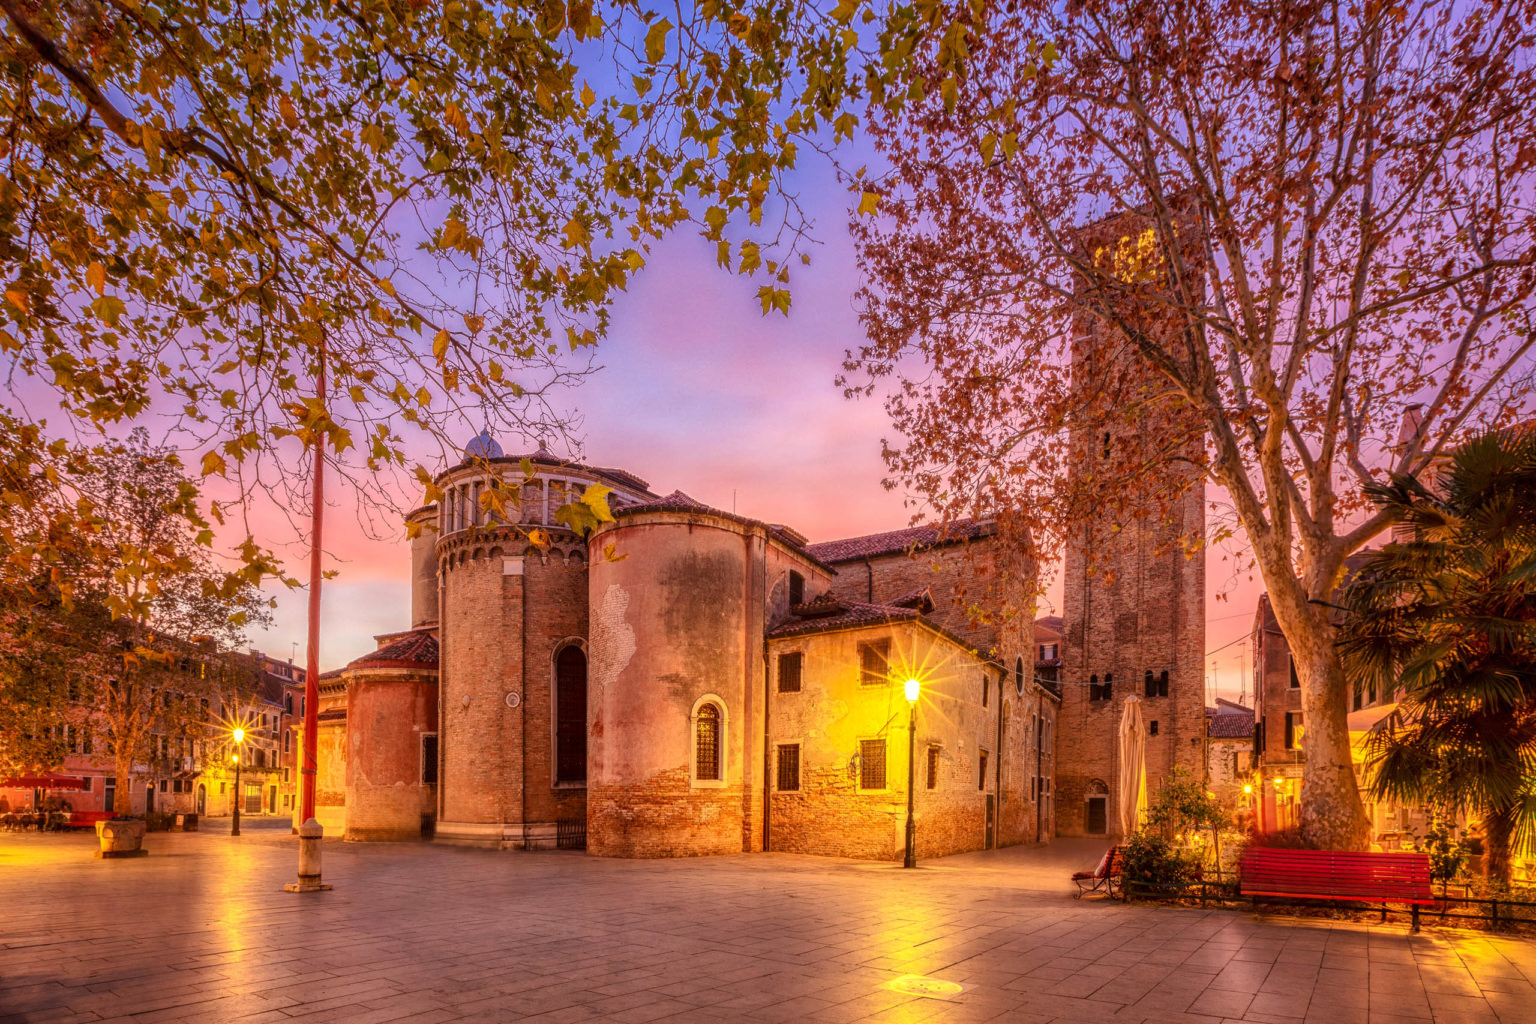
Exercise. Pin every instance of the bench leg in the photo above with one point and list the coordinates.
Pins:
(1415, 929)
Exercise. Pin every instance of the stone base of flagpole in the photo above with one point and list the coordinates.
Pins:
(310, 835)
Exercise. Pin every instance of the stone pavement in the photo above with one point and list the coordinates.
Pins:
(200, 931)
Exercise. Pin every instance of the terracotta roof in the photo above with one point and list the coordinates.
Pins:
(1230, 726)
(332, 715)
(1051, 622)
(921, 599)
(415, 650)
(826, 614)
(894, 541)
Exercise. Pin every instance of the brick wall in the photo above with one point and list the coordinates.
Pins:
(1134, 574)
(556, 584)
(834, 711)
(677, 620)
(388, 712)
(481, 661)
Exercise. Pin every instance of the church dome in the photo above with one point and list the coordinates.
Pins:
(483, 446)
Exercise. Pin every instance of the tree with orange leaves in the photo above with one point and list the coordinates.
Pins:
(1338, 235)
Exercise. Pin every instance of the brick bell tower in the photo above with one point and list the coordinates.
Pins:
(1134, 574)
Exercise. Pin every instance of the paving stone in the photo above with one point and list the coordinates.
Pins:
(200, 931)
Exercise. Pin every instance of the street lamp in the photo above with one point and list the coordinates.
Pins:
(239, 736)
(913, 689)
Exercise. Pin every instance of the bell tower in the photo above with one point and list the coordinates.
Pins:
(1134, 577)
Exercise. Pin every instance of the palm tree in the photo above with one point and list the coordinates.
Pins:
(1448, 620)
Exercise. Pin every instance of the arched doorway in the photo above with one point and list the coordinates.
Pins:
(570, 715)
(202, 799)
(1096, 822)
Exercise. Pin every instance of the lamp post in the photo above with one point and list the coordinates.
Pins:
(239, 736)
(913, 689)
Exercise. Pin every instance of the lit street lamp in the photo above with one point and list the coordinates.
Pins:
(912, 694)
(239, 737)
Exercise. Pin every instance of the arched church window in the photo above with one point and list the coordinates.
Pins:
(707, 744)
(571, 715)
(1018, 676)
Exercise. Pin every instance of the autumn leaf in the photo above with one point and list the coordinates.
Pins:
(656, 41)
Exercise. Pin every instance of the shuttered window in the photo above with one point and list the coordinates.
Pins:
(875, 663)
(789, 672)
(933, 767)
(872, 764)
(707, 744)
(789, 767)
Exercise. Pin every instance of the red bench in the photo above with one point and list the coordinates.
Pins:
(86, 819)
(1104, 878)
(1325, 875)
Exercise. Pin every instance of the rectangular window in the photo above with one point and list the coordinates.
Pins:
(981, 776)
(1359, 693)
(789, 767)
(933, 767)
(429, 759)
(789, 672)
(1295, 683)
(1152, 728)
(162, 785)
(1293, 730)
(796, 589)
(875, 663)
(872, 764)
(88, 780)
(985, 691)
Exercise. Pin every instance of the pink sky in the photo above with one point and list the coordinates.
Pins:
(702, 393)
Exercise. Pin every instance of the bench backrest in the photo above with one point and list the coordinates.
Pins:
(1328, 875)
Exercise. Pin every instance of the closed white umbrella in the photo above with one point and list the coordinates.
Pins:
(1133, 767)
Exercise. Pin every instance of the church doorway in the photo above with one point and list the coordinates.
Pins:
(202, 799)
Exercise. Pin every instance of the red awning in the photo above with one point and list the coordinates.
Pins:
(47, 780)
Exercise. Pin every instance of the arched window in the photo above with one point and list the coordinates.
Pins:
(570, 715)
(796, 589)
(1018, 676)
(706, 744)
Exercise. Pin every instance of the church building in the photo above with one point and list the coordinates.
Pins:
(686, 681)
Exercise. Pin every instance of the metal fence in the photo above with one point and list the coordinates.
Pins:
(571, 834)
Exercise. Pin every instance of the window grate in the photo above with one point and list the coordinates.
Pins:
(872, 764)
(707, 744)
(789, 672)
(933, 767)
(789, 767)
(875, 663)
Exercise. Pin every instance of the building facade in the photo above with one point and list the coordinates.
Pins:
(685, 681)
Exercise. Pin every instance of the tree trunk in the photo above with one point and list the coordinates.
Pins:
(122, 797)
(1498, 833)
(1332, 814)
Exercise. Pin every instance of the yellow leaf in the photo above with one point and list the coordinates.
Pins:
(387, 287)
(17, 298)
(656, 41)
(588, 97)
(868, 202)
(285, 107)
(440, 346)
(576, 233)
(213, 463)
(96, 277)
